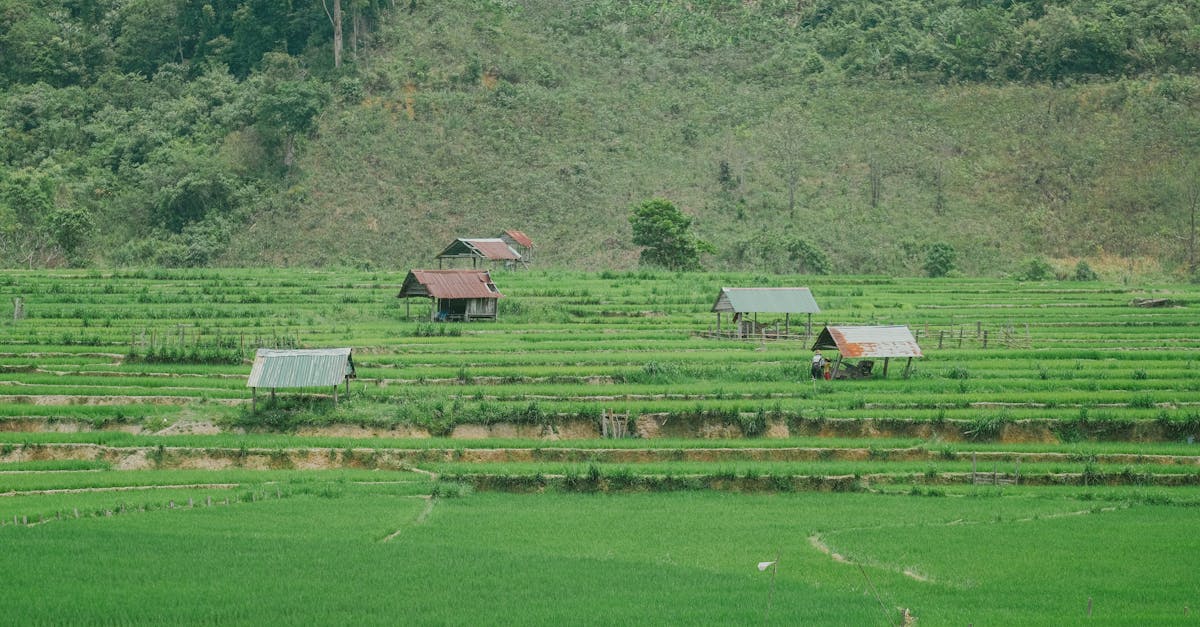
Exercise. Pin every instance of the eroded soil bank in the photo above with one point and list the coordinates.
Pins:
(135, 458)
(651, 426)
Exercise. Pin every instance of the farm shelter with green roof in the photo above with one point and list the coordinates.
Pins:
(874, 342)
(300, 368)
(743, 301)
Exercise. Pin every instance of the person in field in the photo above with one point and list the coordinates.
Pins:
(818, 365)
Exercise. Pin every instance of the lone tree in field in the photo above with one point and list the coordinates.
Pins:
(663, 230)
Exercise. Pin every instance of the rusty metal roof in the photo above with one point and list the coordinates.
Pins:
(308, 368)
(765, 300)
(449, 284)
(494, 248)
(519, 237)
(889, 341)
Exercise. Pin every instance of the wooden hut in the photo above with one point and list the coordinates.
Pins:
(744, 304)
(868, 342)
(520, 242)
(300, 368)
(481, 252)
(456, 295)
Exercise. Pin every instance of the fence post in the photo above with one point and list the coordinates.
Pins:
(941, 334)
(985, 333)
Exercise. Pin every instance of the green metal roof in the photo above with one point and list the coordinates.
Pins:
(765, 300)
(309, 368)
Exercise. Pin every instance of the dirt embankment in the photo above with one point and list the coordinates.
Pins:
(652, 426)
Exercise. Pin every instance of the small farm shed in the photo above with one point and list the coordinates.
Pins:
(873, 342)
(300, 368)
(520, 242)
(456, 294)
(480, 251)
(743, 301)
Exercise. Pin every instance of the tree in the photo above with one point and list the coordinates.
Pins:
(286, 102)
(335, 19)
(663, 230)
(788, 148)
(69, 228)
(939, 261)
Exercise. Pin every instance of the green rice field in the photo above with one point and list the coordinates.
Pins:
(1038, 465)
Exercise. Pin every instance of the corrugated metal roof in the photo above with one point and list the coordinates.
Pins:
(318, 367)
(765, 300)
(889, 341)
(493, 248)
(449, 284)
(520, 238)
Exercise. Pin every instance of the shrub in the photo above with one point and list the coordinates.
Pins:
(939, 260)
(1036, 269)
(1084, 272)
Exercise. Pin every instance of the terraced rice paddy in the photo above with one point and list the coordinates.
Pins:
(1045, 420)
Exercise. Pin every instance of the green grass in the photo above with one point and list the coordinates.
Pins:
(1011, 557)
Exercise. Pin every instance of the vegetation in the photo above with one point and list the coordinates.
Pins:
(172, 134)
(1046, 419)
(1042, 560)
(664, 231)
(1065, 360)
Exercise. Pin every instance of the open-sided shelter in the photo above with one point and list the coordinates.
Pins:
(480, 251)
(455, 294)
(520, 242)
(300, 368)
(869, 342)
(743, 301)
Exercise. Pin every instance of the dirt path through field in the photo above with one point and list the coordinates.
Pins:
(420, 520)
(818, 542)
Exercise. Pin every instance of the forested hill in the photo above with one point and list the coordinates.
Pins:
(826, 135)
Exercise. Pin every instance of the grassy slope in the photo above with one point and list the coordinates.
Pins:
(549, 120)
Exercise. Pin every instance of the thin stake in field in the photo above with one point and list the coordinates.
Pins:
(774, 566)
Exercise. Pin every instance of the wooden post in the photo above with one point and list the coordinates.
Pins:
(808, 329)
(335, 396)
(885, 366)
(941, 334)
(972, 468)
(978, 328)
(1017, 476)
(787, 319)
(985, 333)
(718, 324)
(908, 368)
(253, 400)
(837, 367)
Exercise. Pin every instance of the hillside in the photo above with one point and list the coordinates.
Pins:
(869, 130)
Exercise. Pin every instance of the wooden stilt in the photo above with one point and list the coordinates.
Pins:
(908, 368)
(885, 366)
